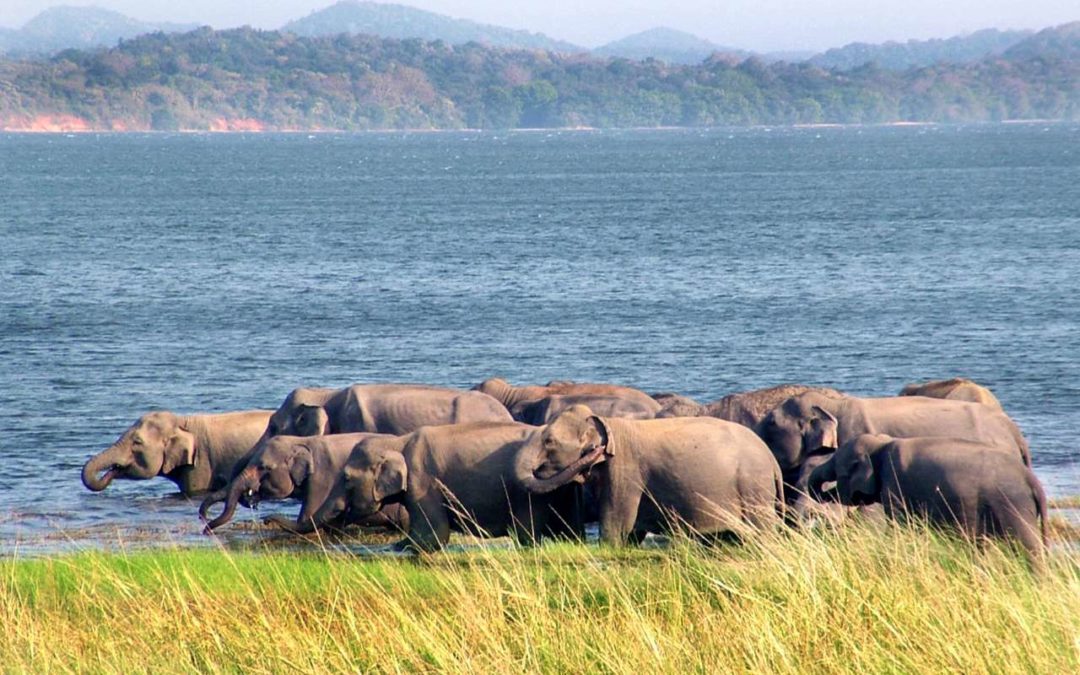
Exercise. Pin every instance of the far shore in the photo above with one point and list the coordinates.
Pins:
(80, 127)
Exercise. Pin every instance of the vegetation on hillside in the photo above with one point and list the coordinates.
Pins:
(209, 79)
(917, 53)
(901, 599)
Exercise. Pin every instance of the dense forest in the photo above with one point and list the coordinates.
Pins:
(249, 79)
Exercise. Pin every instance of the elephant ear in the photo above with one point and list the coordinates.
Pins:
(179, 451)
(390, 477)
(823, 431)
(863, 480)
(310, 420)
(300, 466)
(598, 435)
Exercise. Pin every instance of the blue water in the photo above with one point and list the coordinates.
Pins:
(211, 273)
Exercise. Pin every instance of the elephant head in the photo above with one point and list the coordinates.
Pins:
(156, 445)
(301, 414)
(798, 427)
(373, 477)
(855, 469)
(565, 450)
(277, 468)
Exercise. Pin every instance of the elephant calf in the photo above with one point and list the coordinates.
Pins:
(653, 475)
(979, 488)
(462, 477)
(300, 467)
(197, 452)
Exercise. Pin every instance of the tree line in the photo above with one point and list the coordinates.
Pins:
(282, 81)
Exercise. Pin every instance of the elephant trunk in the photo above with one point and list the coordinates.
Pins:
(246, 481)
(103, 461)
(823, 474)
(581, 464)
(211, 499)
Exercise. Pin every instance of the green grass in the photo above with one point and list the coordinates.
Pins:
(860, 599)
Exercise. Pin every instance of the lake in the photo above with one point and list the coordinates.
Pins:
(217, 272)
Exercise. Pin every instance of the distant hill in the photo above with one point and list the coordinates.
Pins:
(249, 80)
(1061, 42)
(61, 28)
(918, 53)
(402, 22)
(665, 44)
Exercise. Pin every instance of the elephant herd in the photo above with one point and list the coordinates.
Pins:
(538, 461)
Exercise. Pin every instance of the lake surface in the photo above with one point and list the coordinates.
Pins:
(217, 272)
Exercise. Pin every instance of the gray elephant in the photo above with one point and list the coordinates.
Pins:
(196, 452)
(956, 389)
(542, 411)
(380, 408)
(709, 475)
(462, 477)
(746, 408)
(979, 488)
(813, 423)
(511, 396)
(298, 467)
(676, 405)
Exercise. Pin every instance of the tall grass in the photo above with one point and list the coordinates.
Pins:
(861, 599)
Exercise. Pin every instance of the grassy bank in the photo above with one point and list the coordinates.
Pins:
(858, 600)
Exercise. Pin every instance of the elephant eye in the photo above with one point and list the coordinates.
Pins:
(137, 440)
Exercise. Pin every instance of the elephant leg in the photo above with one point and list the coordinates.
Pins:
(564, 516)
(429, 526)
(618, 514)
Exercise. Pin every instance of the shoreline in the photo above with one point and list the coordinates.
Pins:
(84, 129)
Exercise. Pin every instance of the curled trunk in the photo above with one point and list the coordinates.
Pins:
(572, 471)
(248, 480)
(826, 473)
(104, 461)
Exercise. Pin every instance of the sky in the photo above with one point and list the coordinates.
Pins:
(760, 25)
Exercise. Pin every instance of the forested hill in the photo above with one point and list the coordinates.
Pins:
(249, 80)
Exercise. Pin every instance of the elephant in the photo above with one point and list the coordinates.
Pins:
(676, 405)
(511, 396)
(715, 477)
(956, 389)
(196, 452)
(746, 408)
(813, 423)
(461, 477)
(749, 407)
(542, 411)
(380, 408)
(298, 467)
(977, 487)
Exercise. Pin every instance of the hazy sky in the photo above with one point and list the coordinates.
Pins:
(764, 25)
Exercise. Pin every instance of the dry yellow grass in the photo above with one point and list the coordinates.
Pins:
(861, 599)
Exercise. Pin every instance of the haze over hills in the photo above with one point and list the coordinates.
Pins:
(916, 53)
(60, 28)
(402, 22)
(87, 27)
(665, 44)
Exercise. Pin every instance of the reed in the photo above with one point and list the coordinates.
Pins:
(858, 599)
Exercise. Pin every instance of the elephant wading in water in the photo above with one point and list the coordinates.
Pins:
(542, 411)
(812, 423)
(980, 489)
(706, 474)
(462, 477)
(299, 467)
(511, 396)
(956, 389)
(379, 408)
(197, 452)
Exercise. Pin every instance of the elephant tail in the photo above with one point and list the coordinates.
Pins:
(1040, 504)
(781, 503)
